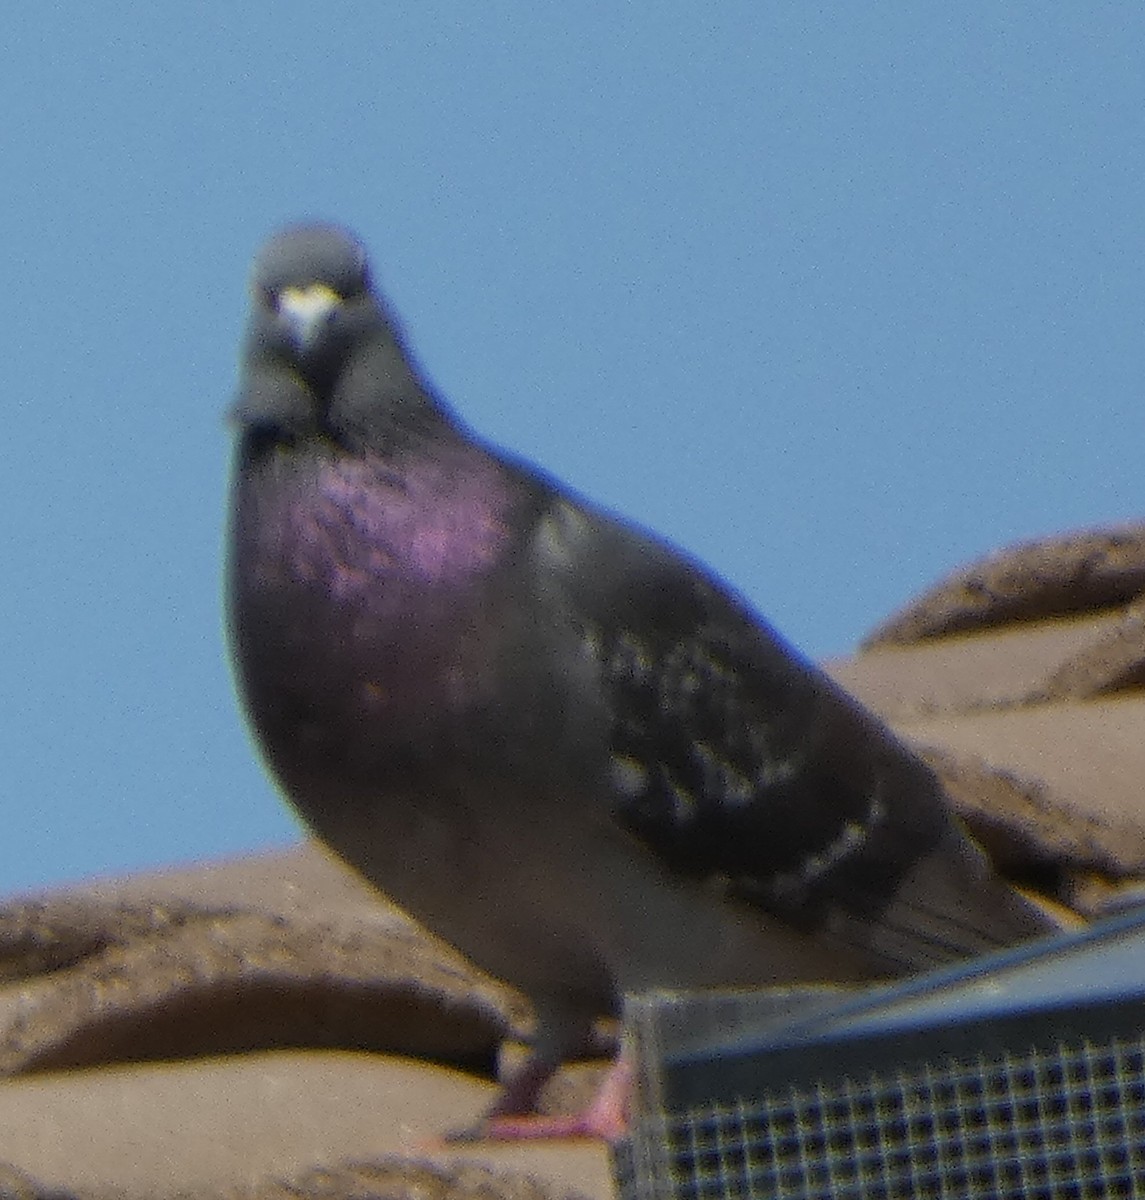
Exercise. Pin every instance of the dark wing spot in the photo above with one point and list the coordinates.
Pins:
(717, 768)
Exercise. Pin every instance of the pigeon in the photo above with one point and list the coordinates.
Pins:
(565, 747)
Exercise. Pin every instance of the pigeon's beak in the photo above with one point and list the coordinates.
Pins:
(306, 311)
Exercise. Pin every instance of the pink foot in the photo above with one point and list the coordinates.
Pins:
(606, 1117)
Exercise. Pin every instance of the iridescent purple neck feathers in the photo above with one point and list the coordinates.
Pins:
(358, 523)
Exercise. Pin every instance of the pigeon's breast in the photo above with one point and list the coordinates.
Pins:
(368, 603)
(368, 534)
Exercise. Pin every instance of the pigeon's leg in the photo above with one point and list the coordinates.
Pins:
(606, 1116)
(513, 1118)
(513, 1115)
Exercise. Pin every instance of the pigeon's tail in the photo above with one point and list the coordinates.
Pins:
(949, 906)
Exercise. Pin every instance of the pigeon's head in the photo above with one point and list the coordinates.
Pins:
(322, 354)
(310, 290)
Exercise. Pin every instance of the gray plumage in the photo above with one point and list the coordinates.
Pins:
(569, 750)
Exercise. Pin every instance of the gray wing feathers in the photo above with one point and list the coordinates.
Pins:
(735, 760)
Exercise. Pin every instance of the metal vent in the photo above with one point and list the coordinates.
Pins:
(1021, 1075)
(1068, 1123)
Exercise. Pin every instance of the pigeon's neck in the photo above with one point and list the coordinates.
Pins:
(381, 404)
(369, 400)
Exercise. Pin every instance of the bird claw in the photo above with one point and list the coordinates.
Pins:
(605, 1118)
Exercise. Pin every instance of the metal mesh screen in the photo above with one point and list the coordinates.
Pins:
(1065, 1122)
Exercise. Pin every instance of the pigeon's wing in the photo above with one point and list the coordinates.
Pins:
(733, 759)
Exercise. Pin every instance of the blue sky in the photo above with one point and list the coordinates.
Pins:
(836, 296)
